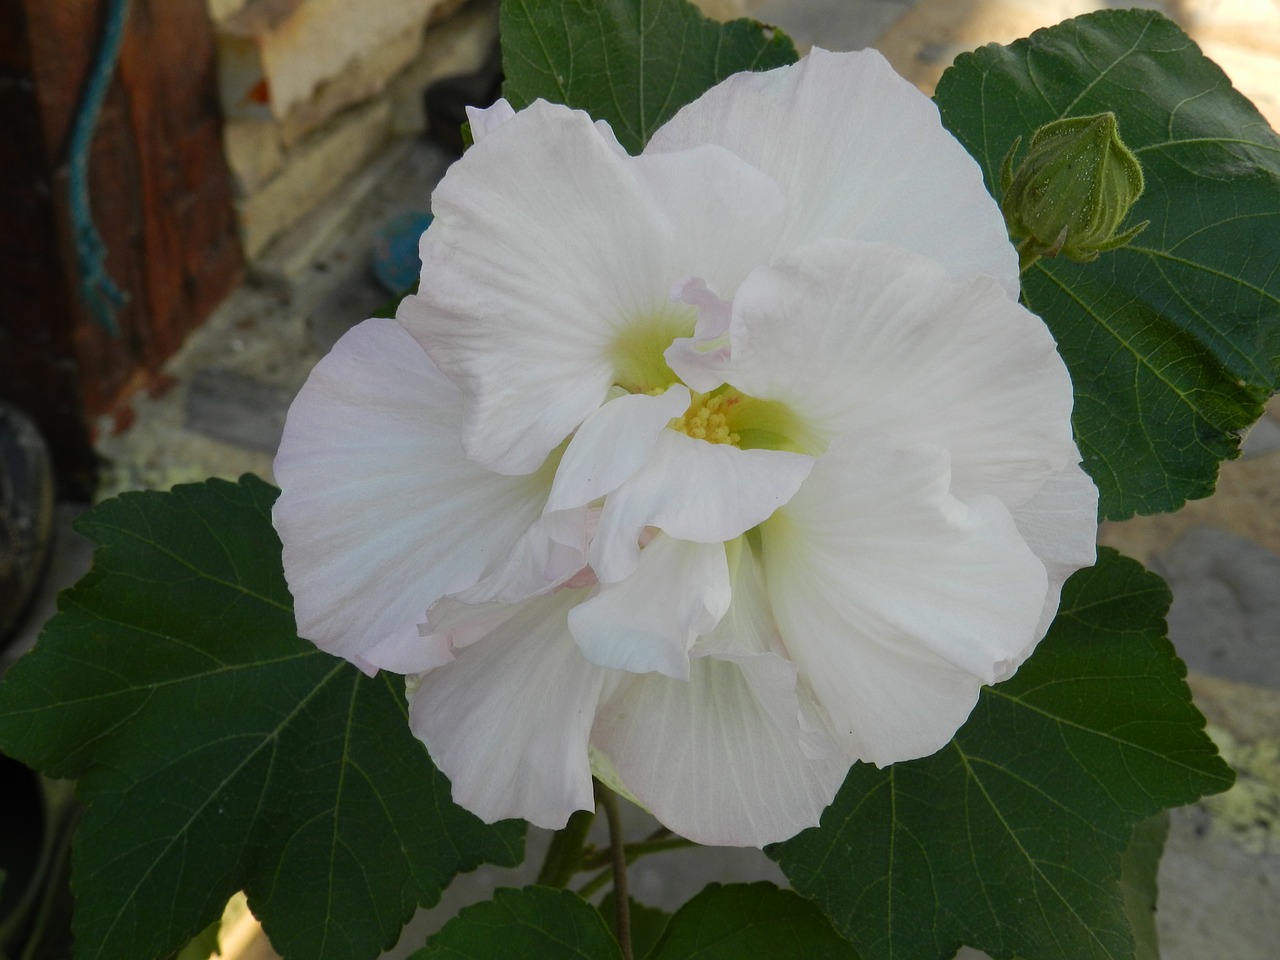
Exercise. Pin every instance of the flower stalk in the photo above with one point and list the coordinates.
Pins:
(607, 799)
(565, 855)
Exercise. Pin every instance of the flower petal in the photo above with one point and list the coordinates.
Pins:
(701, 360)
(854, 336)
(710, 760)
(508, 721)
(897, 600)
(820, 129)
(552, 550)
(612, 444)
(648, 622)
(693, 490)
(484, 120)
(551, 252)
(1060, 525)
(725, 215)
(733, 756)
(380, 511)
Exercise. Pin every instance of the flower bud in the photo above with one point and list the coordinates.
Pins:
(1072, 190)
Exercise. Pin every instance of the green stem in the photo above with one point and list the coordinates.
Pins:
(564, 856)
(617, 846)
(634, 851)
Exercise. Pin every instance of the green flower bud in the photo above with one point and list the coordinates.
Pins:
(1072, 190)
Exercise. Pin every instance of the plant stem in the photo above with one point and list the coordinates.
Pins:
(617, 845)
(635, 851)
(564, 856)
(595, 883)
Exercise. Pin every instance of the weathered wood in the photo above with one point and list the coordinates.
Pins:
(161, 198)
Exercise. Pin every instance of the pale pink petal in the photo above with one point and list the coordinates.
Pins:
(693, 490)
(854, 336)
(859, 153)
(648, 621)
(612, 444)
(552, 550)
(701, 360)
(1060, 525)
(508, 720)
(406, 651)
(897, 600)
(380, 511)
(453, 624)
(551, 255)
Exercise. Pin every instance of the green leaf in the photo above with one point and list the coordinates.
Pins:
(647, 923)
(756, 921)
(1010, 839)
(633, 63)
(535, 923)
(1174, 341)
(1138, 870)
(218, 752)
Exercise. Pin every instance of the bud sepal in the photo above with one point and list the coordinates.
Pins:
(1072, 190)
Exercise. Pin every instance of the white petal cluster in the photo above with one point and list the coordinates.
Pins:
(711, 470)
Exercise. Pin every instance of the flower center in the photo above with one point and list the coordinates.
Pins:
(637, 350)
(725, 415)
(708, 417)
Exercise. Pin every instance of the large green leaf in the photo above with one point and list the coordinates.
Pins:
(535, 923)
(647, 923)
(738, 922)
(756, 921)
(1011, 838)
(1173, 342)
(216, 751)
(633, 63)
(1138, 872)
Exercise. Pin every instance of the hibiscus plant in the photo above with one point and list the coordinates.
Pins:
(740, 456)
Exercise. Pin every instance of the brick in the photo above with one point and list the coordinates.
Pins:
(275, 54)
(314, 170)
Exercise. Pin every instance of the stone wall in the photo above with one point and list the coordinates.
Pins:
(312, 90)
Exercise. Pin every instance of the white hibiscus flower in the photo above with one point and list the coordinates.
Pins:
(713, 470)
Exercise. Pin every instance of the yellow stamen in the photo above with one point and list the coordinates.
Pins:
(708, 418)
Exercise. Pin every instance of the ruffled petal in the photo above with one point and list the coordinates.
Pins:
(712, 761)
(859, 153)
(856, 336)
(897, 600)
(648, 621)
(1060, 525)
(701, 360)
(508, 720)
(380, 511)
(739, 754)
(612, 444)
(530, 269)
(549, 553)
(726, 216)
(692, 490)
(405, 651)
(552, 256)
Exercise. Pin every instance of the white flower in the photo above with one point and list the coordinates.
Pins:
(713, 470)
